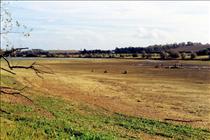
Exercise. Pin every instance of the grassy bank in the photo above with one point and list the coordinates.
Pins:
(70, 121)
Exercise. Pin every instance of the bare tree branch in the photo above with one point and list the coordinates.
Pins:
(5, 90)
(8, 71)
(2, 33)
(10, 26)
(3, 111)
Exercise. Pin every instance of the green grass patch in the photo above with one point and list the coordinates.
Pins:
(32, 127)
(70, 123)
(164, 129)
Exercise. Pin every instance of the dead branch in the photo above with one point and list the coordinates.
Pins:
(12, 91)
(3, 111)
(37, 68)
(32, 67)
(7, 71)
(8, 27)
(9, 32)
(179, 120)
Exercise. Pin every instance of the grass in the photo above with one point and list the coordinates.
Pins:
(27, 124)
(75, 103)
(163, 129)
(68, 123)
(8, 81)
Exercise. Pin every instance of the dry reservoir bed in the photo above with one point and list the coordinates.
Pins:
(129, 87)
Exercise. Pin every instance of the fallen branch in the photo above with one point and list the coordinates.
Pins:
(3, 111)
(8, 71)
(179, 120)
(5, 90)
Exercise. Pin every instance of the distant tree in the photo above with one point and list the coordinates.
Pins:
(163, 55)
(122, 56)
(144, 54)
(135, 55)
(84, 52)
(206, 52)
(189, 43)
(149, 56)
(174, 54)
(183, 56)
(166, 47)
(111, 55)
(193, 55)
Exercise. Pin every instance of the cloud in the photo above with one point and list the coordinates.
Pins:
(151, 33)
(108, 24)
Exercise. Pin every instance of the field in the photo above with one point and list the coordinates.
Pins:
(108, 99)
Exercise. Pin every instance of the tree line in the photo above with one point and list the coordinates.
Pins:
(168, 51)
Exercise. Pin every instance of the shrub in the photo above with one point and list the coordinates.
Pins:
(135, 55)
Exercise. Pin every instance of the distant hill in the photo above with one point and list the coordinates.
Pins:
(176, 47)
(192, 48)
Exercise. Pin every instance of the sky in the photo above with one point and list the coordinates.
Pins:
(76, 25)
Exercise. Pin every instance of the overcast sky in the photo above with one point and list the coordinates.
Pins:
(110, 24)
